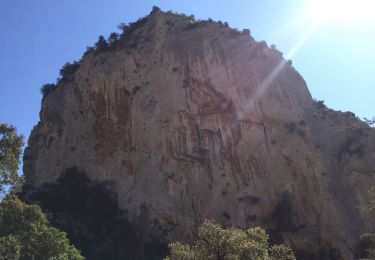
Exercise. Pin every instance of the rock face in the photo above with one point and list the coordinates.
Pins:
(195, 120)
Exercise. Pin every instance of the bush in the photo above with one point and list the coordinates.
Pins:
(123, 27)
(67, 72)
(47, 89)
(281, 252)
(128, 29)
(10, 248)
(155, 9)
(113, 37)
(320, 104)
(101, 44)
(216, 243)
(10, 150)
(25, 234)
(246, 31)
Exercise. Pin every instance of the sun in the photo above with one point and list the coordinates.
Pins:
(352, 11)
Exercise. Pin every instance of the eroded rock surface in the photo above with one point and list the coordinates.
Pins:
(197, 120)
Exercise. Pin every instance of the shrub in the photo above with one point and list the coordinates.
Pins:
(216, 243)
(101, 44)
(47, 89)
(123, 27)
(155, 9)
(67, 72)
(25, 234)
(113, 37)
(281, 252)
(10, 150)
(320, 104)
(127, 30)
(246, 31)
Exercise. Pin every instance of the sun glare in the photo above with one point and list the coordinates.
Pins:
(341, 10)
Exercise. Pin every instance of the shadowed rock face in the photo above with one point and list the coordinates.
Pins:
(195, 121)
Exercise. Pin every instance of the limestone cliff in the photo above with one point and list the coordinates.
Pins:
(195, 120)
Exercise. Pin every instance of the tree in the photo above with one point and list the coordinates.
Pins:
(67, 71)
(113, 37)
(101, 44)
(155, 9)
(281, 252)
(216, 243)
(10, 151)
(25, 234)
(9, 248)
(47, 89)
(123, 27)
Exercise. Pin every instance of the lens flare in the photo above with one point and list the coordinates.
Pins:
(341, 10)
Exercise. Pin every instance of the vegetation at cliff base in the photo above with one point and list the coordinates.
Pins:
(10, 151)
(25, 234)
(24, 230)
(217, 243)
(88, 212)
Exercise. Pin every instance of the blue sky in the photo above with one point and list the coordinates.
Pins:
(38, 37)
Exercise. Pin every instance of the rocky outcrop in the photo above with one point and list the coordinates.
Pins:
(195, 120)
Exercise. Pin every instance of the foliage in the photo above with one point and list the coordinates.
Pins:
(10, 248)
(155, 9)
(113, 37)
(10, 151)
(101, 44)
(216, 243)
(67, 71)
(281, 252)
(123, 27)
(47, 89)
(25, 234)
(320, 104)
(88, 211)
(127, 30)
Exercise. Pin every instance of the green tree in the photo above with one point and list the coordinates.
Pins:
(25, 234)
(10, 151)
(101, 44)
(9, 248)
(47, 89)
(216, 243)
(281, 252)
(113, 37)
